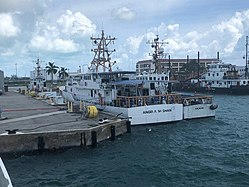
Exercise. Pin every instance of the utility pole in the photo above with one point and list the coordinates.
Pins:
(198, 68)
(16, 69)
(246, 70)
(169, 84)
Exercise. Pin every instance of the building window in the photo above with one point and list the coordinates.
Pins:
(162, 78)
(217, 74)
(151, 78)
(208, 74)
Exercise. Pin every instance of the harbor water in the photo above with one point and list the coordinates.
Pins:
(201, 152)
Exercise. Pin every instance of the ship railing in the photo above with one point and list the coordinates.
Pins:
(135, 101)
(231, 77)
(196, 99)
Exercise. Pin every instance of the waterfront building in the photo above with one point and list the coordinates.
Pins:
(175, 64)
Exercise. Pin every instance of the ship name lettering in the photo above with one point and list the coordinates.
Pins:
(166, 110)
(156, 111)
(147, 111)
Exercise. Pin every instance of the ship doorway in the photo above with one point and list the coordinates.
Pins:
(145, 92)
(91, 93)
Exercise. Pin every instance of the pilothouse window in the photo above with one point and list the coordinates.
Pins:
(152, 86)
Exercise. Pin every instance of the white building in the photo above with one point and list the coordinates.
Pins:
(175, 64)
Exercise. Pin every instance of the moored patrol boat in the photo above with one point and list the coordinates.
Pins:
(143, 99)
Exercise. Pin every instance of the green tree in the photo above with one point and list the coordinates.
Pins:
(63, 73)
(192, 67)
(51, 69)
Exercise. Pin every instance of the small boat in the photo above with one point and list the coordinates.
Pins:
(4, 176)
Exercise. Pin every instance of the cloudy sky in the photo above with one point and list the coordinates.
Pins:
(59, 30)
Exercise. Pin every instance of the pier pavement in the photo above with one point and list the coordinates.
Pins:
(31, 115)
(43, 126)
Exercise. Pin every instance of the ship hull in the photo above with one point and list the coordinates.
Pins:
(152, 114)
(198, 111)
(4, 176)
(233, 90)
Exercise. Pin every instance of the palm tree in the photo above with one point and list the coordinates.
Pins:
(63, 73)
(52, 69)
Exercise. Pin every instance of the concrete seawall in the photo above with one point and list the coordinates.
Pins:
(36, 141)
(41, 126)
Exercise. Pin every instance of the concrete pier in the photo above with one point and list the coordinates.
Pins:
(45, 127)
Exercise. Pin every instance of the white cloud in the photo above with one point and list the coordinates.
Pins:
(8, 29)
(76, 24)
(60, 37)
(124, 13)
(221, 37)
(7, 53)
(54, 45)
(133, 43)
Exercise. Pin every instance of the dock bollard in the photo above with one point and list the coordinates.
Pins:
(94, 139)
(128, 126)
(69, 106)
(113, 133)
(81, 107)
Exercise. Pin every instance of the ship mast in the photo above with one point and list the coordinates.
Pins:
(158, 53)
(102, 53)
(38, 68)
